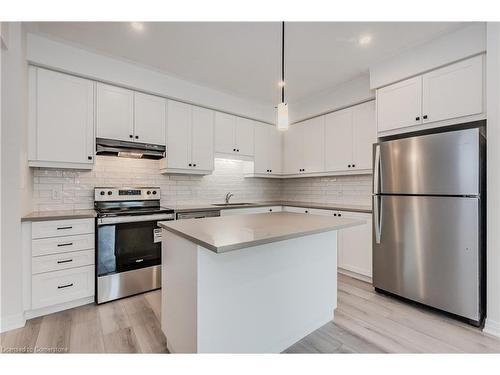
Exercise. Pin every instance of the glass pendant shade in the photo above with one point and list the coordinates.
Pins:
(282, 116)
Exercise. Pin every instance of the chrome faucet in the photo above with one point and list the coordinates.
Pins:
(228, 197)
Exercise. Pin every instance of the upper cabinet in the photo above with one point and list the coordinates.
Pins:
(268, 147)
(448, 95)
(115, 112)
(127, 115)
(149, 118)
(349, 137)
(304, 147)
(61, 120)
(190, 139)
(233, 135)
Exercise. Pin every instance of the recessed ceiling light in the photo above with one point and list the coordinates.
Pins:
(281, 83)
(365, 40)
(137, 26)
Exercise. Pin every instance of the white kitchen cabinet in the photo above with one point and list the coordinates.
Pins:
(364, 135)
(453, 91)
(244, 136)
(61, 120)
(202, 139)
(149, 118)
(268, 147)
(304, 147)
(355, 246)
(443, 96)
(115, 112)
(250, 210)
(339, 140)
(233, 135)
(189, 140)
(400, 105)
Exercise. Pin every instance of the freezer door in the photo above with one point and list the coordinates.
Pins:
(427, 249)
(441, 164)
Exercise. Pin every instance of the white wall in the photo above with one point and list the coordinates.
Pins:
(450, 47)
(67, 58)
(15, 197)
(344, 95)
(493, 179)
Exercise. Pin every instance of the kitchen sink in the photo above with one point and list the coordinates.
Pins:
(231, 204)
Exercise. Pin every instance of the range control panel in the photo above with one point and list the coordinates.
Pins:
(126, 194)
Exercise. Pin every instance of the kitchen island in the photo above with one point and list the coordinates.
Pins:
(248, 283)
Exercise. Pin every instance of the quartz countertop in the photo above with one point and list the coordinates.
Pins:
(59, 215)
(227, 233)
(324, 206)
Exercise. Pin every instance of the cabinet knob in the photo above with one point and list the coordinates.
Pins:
(194, 165)
(131, 136)
(349, 166)
(237, 150)
(353, 165)
(417, 118)
(270, 170)
(136, 137)
(425, 117)
(340, 214)
(190, 164)
(234, 149)
(89, 157)
(306, 211)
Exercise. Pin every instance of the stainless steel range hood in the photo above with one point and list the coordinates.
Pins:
(129, 149)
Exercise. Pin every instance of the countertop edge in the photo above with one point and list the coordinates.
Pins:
(56, 216)
(243, 245)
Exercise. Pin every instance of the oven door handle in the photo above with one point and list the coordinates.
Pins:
(133, 219)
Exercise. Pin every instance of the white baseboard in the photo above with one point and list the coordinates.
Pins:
(492, 328)
(11, 322)
(56, 308)
(355, 275)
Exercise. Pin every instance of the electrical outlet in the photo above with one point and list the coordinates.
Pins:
(56, 194)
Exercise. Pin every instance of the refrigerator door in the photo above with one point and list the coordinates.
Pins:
(426, 249)
(435, 164)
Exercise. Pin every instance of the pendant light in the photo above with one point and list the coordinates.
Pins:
(282, 109)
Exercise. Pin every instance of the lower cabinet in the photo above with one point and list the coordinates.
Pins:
(355, 246)
(250, 210)
(62, 263)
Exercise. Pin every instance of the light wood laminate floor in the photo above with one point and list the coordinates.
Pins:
(365, 322)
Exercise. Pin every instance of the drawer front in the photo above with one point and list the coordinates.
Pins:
(56, 228)
(56, 287)
(58, 245)
(57, 262)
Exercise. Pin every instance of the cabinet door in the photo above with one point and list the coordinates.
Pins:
(244, 136)
(355, 245)
(293, 147)
(399, 105)
(202, 136)
(179, 118)
(64, 118)
(262, 160)
(275, 149)
(115, 113)
(149, 119)
(364, 135)
(338, 140)
(453, 91)
(224, 133)
(314, 145)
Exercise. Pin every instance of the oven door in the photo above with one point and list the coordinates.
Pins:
(128, 243)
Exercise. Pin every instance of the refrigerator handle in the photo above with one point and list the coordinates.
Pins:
(376, 170)
(377, 217)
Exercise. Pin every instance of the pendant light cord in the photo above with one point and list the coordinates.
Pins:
(283, 61)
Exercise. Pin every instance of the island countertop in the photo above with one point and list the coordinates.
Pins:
(227, 233)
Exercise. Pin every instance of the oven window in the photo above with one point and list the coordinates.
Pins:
(127, 246)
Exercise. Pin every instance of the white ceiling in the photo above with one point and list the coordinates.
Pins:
(243, 58)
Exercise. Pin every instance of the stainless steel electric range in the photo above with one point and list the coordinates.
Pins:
(128, 241)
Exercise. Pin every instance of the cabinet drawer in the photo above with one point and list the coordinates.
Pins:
(57, 245)
(57, 262)
(56, 228)
(56, 287)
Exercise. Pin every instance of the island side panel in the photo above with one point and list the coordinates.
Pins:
(179, 293)
(263, 299)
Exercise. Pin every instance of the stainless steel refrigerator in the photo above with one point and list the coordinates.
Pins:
(429, 220)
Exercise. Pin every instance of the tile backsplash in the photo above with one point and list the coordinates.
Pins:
(61, 189)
